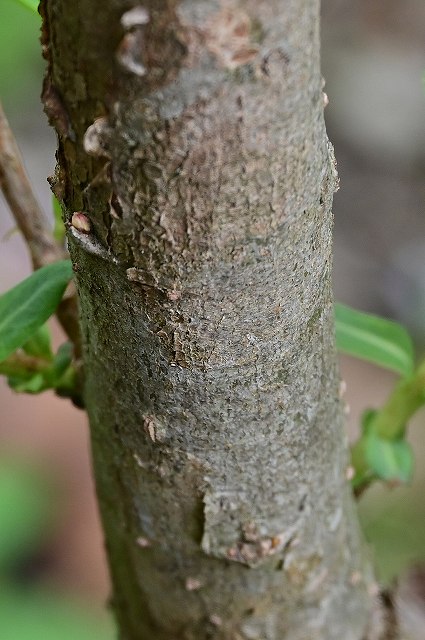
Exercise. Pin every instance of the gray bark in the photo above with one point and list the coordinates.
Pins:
(191, 134)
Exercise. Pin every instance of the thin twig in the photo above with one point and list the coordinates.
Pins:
(20, 197)
(33, 225)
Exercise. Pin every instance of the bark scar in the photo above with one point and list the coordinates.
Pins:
(228, 535)
(229, 36)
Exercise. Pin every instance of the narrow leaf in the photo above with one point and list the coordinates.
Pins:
(26, 307)
(378, 340)
(60, 366)
(32, 5)
(62, 360)
(40, 344)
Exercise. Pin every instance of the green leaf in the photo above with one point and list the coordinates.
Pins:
(34, 383)
(390, 460)
(40, 344)
(26, 307)
(62, 359)
(61, 372)
(378, 340)
(38, 374)
(32, 5)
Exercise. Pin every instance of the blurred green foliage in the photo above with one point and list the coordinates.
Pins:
(21, 64)
(28, 510)
(44, 616)
(26, 502)
(394, 525)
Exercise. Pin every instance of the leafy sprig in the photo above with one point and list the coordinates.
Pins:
(28, 305)
(382, 451)
(26, 355)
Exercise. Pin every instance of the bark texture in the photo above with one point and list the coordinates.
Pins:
(191, 134)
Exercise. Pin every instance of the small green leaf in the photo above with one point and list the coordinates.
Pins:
(32, 5)
(28, 384)
(390, 460)
(40, 344)
(378, 340)
(26, 307)
(35, 374)
(62, 361)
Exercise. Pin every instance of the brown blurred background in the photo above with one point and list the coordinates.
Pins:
(374, 65)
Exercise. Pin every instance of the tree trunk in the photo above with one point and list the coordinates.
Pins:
(191, 135)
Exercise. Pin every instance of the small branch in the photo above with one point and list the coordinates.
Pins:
(31, 221)
(20, 197)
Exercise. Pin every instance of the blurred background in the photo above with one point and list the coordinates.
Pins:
(53, 576)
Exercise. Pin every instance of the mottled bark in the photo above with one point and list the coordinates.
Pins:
(191, 133)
